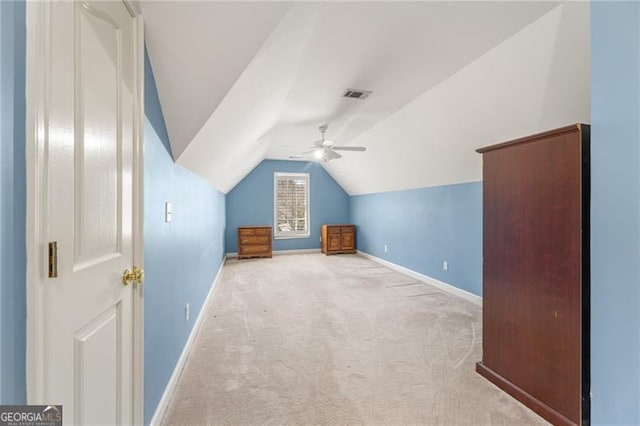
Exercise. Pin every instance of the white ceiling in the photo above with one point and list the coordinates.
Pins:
(537, 80)
(197, 51)
(240, 82)
(397, 50)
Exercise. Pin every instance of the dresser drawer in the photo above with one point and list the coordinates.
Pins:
(254, 239)
(255, 249)
(347, 229)
(254, 231)
(333, 229)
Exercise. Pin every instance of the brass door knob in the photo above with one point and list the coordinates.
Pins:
(127, 277)
(136, 275)
(139, 275)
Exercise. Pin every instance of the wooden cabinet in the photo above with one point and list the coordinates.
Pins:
(254, 241)
(536, 272)
(338, 239)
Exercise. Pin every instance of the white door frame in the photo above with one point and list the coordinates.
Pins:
(37, 86)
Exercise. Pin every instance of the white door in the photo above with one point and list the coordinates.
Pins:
(88, 311)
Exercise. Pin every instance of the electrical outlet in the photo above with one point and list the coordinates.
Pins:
(385, 248)
(187, 312)
(445, 266)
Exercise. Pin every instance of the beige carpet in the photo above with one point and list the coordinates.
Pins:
(314, 339)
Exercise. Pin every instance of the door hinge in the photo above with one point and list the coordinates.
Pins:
(53, 259)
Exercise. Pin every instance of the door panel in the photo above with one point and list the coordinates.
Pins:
(98, 122)
(88, 316)
(94, 364)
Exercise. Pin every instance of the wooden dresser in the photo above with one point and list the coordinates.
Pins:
(338, 239)
(254, 241)
(535, 327)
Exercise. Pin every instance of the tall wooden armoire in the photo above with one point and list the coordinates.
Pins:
(536, 193)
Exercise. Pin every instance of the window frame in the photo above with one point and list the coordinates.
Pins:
(281, 235)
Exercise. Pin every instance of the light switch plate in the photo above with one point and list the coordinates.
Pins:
(168, 215)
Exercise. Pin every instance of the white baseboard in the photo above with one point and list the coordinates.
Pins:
(426, 279)
(281, 252)
(177, 371)
(300, 251)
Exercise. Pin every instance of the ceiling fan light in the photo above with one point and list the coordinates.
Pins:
(318, 154)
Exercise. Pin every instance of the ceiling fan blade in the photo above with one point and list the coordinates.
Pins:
(323, 142)
(325, 149)
(302, 154)
(349, 148)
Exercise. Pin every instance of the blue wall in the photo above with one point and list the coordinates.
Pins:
(615, 220)
(199, 215)
(12, 203)
(251, 202)
(424, 227)
(181, 257)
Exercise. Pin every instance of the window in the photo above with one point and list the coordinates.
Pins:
(291, 205)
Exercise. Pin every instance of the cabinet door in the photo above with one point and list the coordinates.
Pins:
(532, 282)
(348, 241)
(333, 242)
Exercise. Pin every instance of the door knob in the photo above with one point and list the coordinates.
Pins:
(139, 275)
(127, 277)
(135, 275)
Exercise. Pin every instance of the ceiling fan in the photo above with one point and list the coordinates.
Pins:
(325, 149)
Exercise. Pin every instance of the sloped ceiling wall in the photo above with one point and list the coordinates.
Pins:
(197, 50)
(537, 80)
(235, 138)
(447, 77)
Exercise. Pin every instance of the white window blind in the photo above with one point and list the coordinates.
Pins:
(291, 201)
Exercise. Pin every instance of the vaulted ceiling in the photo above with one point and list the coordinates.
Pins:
(241, 81)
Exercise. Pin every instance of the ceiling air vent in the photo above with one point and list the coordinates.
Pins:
(357, 94)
